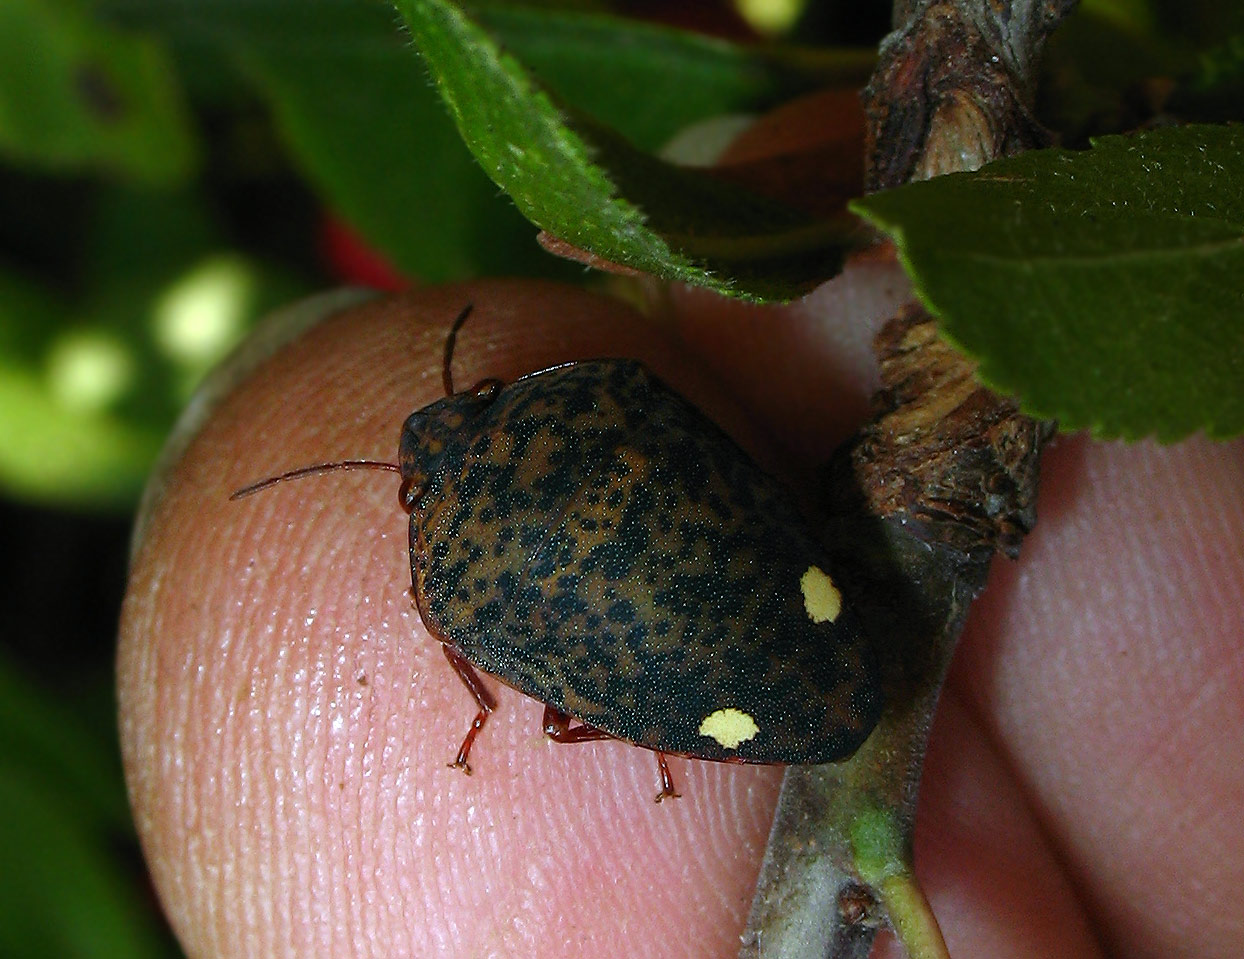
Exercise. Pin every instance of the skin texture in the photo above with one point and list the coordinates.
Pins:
(287, 722)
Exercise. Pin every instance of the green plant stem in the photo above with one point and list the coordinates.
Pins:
(912, 918)
(841, 830)
(951, 91)
(882, 852)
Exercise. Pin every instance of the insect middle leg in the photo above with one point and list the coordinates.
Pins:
(557, 728)
(483, 698)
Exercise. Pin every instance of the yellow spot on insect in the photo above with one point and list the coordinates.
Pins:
(729, 727)
(820, 596)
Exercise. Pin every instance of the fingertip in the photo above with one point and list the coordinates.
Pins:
(995, 883)
(1098, 663)
(287, 722)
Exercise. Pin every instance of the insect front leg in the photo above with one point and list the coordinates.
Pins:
(667, 781)
(483, 698)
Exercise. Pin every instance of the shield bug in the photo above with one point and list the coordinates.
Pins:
(587, 536)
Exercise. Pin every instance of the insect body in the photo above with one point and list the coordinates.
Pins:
(589, 537)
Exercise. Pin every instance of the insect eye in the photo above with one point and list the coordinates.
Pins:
(487, 389)
(409, 493)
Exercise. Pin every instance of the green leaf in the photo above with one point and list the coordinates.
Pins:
(1134, 15)
(64, 891)
(40, 739)
(77, 95)
(65, 894)
(368, 130)
(1191, 24)
(649, 82)
(1199, 22)
(1093, 70)
(90, 387)
(51, 455)
(585, 185)
(1214, 90)
(362, 122)
(1104, 288)
(60, 445)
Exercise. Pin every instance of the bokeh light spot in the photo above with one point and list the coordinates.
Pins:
(199, 318)
(88, 370)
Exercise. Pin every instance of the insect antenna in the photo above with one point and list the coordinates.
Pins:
(314, 470)
(449, 347)
(319, 468)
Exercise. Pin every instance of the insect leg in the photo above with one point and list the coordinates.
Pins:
(483, 698)
(667, 781)
(557, 728)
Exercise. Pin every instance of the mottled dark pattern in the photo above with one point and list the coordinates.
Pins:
(590, 538)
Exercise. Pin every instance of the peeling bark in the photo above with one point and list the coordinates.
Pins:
(943, 475)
